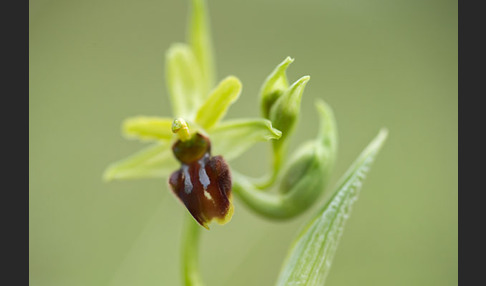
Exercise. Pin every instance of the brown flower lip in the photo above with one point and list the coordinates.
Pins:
(203, 183)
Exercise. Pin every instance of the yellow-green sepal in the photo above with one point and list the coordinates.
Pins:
(184, 80)
(155, 161)
(199, 38)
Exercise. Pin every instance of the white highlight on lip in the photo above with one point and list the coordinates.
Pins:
(187, 179)
(203, 176)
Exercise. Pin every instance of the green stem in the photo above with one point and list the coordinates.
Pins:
(190, 253)
(266, 182)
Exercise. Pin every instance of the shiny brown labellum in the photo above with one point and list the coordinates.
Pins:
(203, 183)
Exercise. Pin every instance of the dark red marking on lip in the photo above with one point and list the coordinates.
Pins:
(203, 183)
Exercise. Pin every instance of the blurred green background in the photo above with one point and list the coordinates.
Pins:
(377, 63)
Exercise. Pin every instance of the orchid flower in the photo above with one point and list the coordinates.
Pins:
(203, 182)
(190, 150)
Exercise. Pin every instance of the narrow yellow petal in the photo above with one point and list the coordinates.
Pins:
(215, 107)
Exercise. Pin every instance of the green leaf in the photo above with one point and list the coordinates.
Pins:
(309, 259)
(215, 107)
(155, 161)
(233, 137)
(200, 41)
(184, 80)
(274, 86)
(148, 128)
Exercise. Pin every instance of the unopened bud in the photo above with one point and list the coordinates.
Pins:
(307, 173)
(274, 86)
(285, 111)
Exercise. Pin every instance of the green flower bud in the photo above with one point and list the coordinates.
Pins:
(303, 179)
(299, 187)
(306, 178)
(302, 166)
(308, 172)
(285, 111)
(274, 86)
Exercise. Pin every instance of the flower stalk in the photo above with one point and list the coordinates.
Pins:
(190, 253)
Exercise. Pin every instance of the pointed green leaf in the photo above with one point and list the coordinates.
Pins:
(309, 259)
(233, 137)
(218, 102)
(274, 86)
(148, 128)
(184, 80)
(200, 41)
(155, 161)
